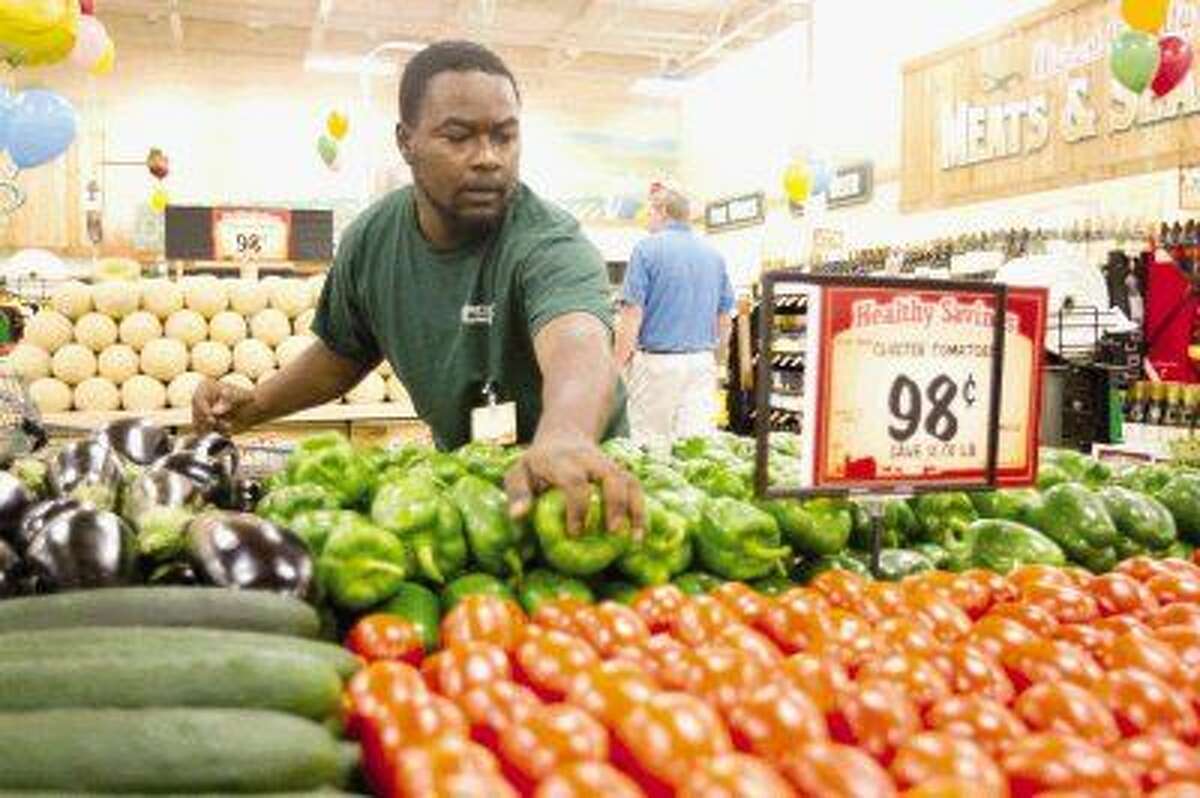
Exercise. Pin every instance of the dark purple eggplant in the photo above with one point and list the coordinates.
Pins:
(136, 440)
(10, 571)
(241, 550)
(15, 499)
(159, 486)
(214, 483)
(89, 470)
(214, 448)
(84, 548)
(36, 518)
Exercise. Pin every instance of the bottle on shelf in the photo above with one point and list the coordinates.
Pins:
(1135, 403)
(1191, 407)
(1156, 406)
(1173, 411)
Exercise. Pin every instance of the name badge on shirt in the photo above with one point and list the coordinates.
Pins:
(477, 315)
(496, 424)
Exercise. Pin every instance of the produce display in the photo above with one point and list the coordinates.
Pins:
(144, 345)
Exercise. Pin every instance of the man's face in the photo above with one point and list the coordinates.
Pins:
(465, 148)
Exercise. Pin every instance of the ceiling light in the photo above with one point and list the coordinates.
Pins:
(670, 88)
(349, 65)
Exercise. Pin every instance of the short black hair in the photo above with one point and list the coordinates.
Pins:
(447, 56)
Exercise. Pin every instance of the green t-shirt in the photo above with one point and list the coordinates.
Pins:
(389, 294)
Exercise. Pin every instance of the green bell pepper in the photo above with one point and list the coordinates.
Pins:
(1181, 495)
(737, 540)
(1076, 467)
(419, 606)
(362, 565)
(1139, 518)
(474, 584)
(719, 480)
(616, 590)
(413, 509)
(787, 443)
(330, 461)
(315, 527)
(694, 448)
(540, 586)
(943, 518)
(773, 585)
(656, 477)
(697, 583)
(1076, 519)
(487, 461)
(493, 536)
(810, 569)
(899, 524)
(895, 564)
(1016, 504)
(816, 527)
(666, 549)
(623, 451)
(1149, 478)
(1001, 546)
(1180, 549)
(588, 553)
(938, 556)
(282, 504)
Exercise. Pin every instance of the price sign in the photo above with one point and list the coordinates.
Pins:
(910, 384)
(250, 234)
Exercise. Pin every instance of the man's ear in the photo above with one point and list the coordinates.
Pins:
(404, 142)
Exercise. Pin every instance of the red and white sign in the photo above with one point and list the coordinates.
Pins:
(901, 389)
(251, 234)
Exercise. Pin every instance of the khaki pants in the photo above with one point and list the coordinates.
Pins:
(672, 397)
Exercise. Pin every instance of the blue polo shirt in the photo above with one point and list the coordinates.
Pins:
(679, 281)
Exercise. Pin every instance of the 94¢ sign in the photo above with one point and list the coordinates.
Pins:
(902, 389)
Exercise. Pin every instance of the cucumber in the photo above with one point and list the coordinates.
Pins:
(168, 750)
(138, 640)
(211, 608)
(220, 679)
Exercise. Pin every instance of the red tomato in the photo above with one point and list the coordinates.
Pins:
(997, 635)
(841, 588)
(1121, 624)
(1025, 575)
(549, 661)
(720, 675)
(845, 637)
(417, 723)
(453, 671)
(1175, 615)
(426, 769)
(493, 707)
(908, 635)
(657, 605)
(1118, 594)
(1184, 640)
(998, 588)
(773, 719)
(883, 600)
(1141, 568)
(699, 620)
(950, 787)
(1065, 708)
(734, 776)
(553, 735)
(933, 755)
(828, 770)
(1043, 762)
(805, 599)
(748, 605)
(1170, 588)
(1050, 660)
(610, 625)
(823, 679)
(877, 717)
(475, 784)
(485, 619)
(657, 656)
(794, 628)
(660, 741)
(610, 690)
(746, 640)
(1182, 789)
(976, 672)
(983, 720)
(1065, 604)
(562, 614)
(1159, 760)
(1148, 654)
(1144, 704)
(376, 688)
(1091, 637)
(971, 591)
(948, 623)
(381, 636)
(919, 678)
(587, 780)
(1034, 617)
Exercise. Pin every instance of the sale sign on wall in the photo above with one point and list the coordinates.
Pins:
(899, 385)
(251, 234)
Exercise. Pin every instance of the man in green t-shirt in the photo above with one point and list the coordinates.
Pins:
(476, 291)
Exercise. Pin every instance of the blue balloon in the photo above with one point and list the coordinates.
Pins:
(822, 176)
(41, 127)
(8, 106)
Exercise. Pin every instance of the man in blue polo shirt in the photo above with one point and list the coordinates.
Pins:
(674, 326)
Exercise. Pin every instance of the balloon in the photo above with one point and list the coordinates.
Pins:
(327, 148)
(822, 175)
(1174, 63)
(338, 125)
(797, 182)
(107, 60)
(1148, 16)
(91, 39)
(158, 163)
(42, 127)
(1135, 60)
(37, 32)
(8, 107)
(159, 199)
(87, 7)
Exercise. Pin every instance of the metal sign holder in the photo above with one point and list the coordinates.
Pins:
(763, 387)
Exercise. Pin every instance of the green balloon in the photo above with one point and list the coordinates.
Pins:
(1135, 60)
(328, 150)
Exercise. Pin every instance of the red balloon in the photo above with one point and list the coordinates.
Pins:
(1173, 65)
(87, 7)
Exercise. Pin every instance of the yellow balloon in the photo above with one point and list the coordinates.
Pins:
(37, 32)
(1146, 15)
(797, 182)
(338, 125)
(106, 62)
(159, 200)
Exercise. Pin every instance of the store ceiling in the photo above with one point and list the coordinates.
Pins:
(605, 40)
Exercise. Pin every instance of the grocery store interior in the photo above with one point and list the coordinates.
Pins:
(711, 398)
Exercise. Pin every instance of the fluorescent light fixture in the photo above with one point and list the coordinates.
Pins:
(669, 88)
(358, 64)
